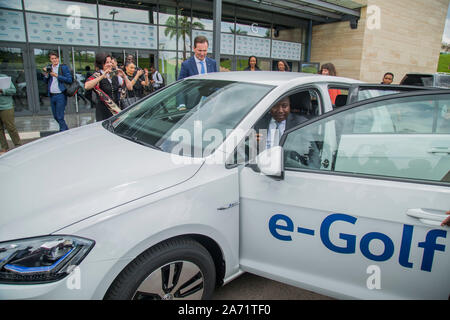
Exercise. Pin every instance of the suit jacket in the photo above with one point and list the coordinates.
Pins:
(189, 67)
(64, 76)
(292, 121)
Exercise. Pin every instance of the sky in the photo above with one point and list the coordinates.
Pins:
(446, 35)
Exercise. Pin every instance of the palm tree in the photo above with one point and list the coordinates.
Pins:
(238, 31)
(184, 25)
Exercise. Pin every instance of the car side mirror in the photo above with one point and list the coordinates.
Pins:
(270, 162)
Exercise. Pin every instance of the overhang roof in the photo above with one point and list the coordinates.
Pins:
(319, 11)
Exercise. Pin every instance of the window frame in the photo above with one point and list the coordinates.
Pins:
(419, 93)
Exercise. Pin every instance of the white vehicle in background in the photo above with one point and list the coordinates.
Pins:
(438, 80)
(180, 196)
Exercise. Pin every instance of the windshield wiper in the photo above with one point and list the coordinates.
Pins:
(109, 126)
(136, 140)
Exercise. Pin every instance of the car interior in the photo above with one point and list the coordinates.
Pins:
(305, 103)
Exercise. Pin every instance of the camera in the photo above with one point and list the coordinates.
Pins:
(49, 69)
(113, 72)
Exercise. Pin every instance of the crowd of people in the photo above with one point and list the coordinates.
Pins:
(113, 88)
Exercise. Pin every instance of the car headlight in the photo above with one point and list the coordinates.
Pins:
(43, 259)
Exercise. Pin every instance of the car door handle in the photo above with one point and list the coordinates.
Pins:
(439, 150)
(427, 216)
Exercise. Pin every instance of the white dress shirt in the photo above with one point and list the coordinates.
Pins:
(54, 87)
(274, 134)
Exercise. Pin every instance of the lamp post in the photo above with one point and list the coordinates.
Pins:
(113, 13)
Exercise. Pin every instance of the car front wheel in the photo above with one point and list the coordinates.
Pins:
(173, 270)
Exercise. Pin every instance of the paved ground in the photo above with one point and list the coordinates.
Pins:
(252, 287)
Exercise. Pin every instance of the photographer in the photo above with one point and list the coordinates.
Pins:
(55, 79)
(135, 77)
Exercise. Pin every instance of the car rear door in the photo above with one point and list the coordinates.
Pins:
(358, 211)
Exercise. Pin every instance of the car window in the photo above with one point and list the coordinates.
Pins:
(191, 117)
(364, 93)
(304, 105)
(338, 95)
(402, 137)
(443, 81)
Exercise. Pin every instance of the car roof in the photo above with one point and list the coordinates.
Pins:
(275, 78)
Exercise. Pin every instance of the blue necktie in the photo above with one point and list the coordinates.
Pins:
(202, 71)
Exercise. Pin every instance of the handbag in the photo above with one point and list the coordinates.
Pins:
(71, 88)
(127, 101)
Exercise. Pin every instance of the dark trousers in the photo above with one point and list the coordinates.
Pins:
(58, 103)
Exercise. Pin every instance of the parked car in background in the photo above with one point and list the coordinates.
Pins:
(439, 79)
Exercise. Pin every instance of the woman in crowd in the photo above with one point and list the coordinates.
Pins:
(105, 85)
(138, 83)
(328, 69)
(283, 66)
(252, 64)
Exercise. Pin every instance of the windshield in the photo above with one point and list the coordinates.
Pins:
(189, 118)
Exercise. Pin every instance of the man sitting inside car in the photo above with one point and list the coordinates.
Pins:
(279, 119)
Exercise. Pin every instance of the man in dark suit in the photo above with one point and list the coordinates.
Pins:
(272, 126)
(199, 63)
(55, 75)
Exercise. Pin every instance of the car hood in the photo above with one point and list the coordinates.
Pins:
(59, 180)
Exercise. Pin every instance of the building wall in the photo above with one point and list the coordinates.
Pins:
(339, 44)
(406, 38)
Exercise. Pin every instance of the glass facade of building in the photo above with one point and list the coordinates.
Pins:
(158, 33)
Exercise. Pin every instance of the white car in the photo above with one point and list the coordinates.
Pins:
(177, 195)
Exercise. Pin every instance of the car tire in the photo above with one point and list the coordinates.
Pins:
(176, 269)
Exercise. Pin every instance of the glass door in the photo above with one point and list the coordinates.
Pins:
(263, 63)
(82, 63)
(12, 65)
(145, 59)
(167, 64)
(226, 63)
(119, 55)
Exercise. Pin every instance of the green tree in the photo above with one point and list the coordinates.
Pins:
(238, 31)
(184, 26)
